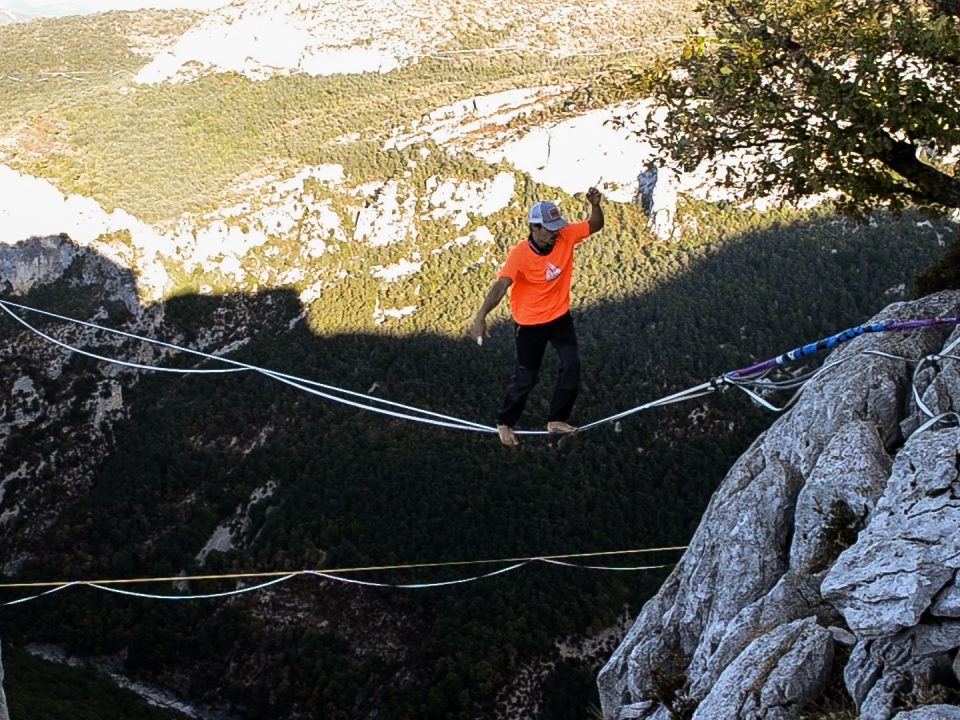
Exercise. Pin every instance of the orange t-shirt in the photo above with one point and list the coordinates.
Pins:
(541, 283)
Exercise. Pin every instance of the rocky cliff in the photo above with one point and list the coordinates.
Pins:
(8, 17)
(266, 38)
(826, 562)
(68, 412)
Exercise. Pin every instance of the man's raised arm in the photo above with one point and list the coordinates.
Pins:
(595, 197)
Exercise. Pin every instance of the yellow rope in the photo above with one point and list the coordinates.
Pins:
(330, 571)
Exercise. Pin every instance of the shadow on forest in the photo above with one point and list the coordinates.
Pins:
(348, 488)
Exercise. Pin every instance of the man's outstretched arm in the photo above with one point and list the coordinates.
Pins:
(493, 298)
(595, 197)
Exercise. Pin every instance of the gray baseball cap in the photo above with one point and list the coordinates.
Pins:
(547, 214)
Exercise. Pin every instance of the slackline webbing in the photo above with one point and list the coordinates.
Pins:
(336, 574)
(741, 379)
(752, 380)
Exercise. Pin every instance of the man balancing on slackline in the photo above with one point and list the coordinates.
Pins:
(540, 269)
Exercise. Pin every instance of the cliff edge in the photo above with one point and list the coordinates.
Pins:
(827, 558)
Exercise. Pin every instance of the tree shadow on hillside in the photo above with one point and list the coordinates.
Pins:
(339, 487)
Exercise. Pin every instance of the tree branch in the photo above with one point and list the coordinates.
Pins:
(934, 185)
(947, 7)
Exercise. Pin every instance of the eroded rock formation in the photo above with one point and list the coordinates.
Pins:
(837, 534)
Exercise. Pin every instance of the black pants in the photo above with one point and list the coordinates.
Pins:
(531, 343)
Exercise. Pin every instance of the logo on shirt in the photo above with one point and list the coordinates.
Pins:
(553, 272)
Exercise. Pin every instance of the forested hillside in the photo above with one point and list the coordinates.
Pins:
(48, 691)
(158, 151)
(311, 485)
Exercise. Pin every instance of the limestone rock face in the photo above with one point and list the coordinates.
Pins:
(910, 550)
(794, 596)
(36, 264)
(931, 712)
(826, 508)
(882, 671)
(774, 676)
(839, 527)
(947, 602)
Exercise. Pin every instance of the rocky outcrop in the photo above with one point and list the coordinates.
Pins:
(266, 38)
(774, 673)
(9, 17)
(45, 260)
(836, 533)
(54, 395)
(34, 264)
(931, 712)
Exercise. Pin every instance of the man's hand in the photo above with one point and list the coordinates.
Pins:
(479, 329)
(595, 197)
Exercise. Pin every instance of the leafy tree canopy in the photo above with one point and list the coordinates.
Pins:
(858, 97)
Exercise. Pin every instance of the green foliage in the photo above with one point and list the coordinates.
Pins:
(943, 274)
(33, 53)
(829, 94)
(41, 690)
(158, 151)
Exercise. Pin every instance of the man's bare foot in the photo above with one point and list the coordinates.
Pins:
(507, 436)
(558, 426)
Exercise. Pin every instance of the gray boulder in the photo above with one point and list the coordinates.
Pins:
(931, 712)
(794, 597)
(40, 261)
(882, 672)
(730, 565)
(910, 550)
(774, 677)
(947, 601)
(839, 496)
(939, 388)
